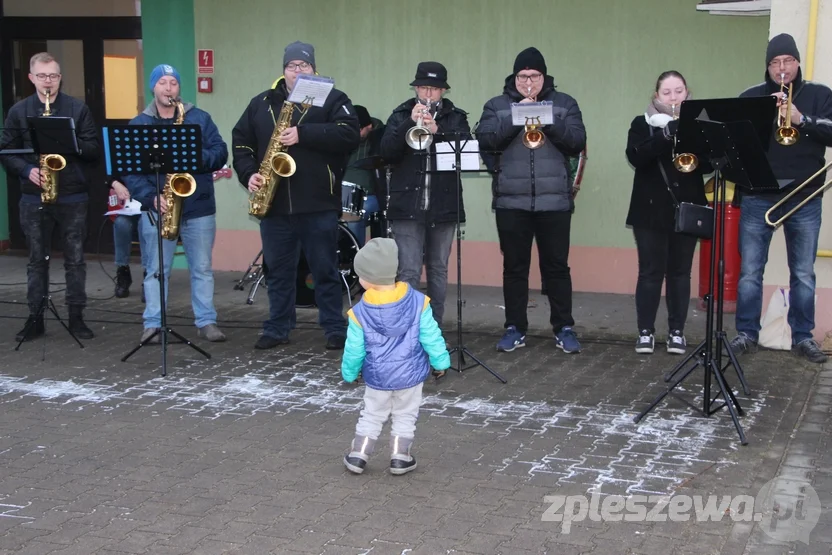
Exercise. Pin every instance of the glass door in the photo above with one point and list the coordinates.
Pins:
(101, 64)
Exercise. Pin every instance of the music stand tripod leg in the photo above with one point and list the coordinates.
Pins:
(250, 274)
(735, 363)
(730, 400)
(460, 349)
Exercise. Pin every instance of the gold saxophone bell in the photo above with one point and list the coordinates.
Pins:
(182, 184)
(533, 137)
(685, 162)
(786, 135)
(283, 164)
(54, 162)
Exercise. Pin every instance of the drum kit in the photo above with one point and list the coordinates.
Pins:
(353, 198)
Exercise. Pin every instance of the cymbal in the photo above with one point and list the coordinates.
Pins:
(369, 163)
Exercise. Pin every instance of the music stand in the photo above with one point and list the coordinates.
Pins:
(50, 135)
(736, 150)
(457, 141)
(155, 149)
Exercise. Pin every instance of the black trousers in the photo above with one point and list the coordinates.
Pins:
(663, 255)
(38, 226)
(517, 229)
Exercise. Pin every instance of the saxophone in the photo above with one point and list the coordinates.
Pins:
(275, 164)
(49, 165)
(177, 187)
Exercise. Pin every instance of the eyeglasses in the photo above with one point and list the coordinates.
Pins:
(298, 67)
(427, 89)
(45, 76)
(785, 61)
(532, 78)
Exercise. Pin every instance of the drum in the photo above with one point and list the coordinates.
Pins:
(352, 202)
(347, 249)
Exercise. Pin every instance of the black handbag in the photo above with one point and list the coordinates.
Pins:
(691, 219)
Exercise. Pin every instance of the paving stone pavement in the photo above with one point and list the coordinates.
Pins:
(241, 453)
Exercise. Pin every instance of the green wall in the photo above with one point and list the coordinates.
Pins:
(605, 54)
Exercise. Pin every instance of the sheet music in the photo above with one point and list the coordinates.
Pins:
(446, 156)
(132, 208)
(534, 110)
(311, 87)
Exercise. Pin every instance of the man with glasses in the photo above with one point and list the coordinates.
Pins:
(423, 203)
(304, 212)
(69, 211)
(811, 115)
(532, 197)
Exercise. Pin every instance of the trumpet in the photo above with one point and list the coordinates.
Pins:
(783, 201)
(786, 135)
(419, 137)
(685, 162)
(533, 137)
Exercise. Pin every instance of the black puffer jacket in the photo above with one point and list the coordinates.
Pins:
(408, 180)
(73, 178)
(526, 179)
(326, 136)
(651, 205)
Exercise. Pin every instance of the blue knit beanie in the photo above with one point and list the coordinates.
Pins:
(160, 71)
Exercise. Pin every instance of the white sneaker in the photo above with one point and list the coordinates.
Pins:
(676, 343)
(646, 342)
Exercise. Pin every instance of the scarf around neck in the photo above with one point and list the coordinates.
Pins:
(658, 113)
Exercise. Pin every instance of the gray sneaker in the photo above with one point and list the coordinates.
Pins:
(743, 344)
(148, 332)
(676, 343)
(211, 332)
(645, 343)
(809, 349)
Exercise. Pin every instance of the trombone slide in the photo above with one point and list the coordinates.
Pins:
(781, 202)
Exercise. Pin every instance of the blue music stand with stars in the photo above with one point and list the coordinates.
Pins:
(155, 149)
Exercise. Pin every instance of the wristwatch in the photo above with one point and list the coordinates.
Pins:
(803, 119)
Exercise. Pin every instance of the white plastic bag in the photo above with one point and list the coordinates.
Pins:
(776, 332)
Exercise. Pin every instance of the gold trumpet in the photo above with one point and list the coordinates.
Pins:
(533, 137)
(782, 201)
(786, 135)
(685, 162)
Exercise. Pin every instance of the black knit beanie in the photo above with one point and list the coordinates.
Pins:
(530, 58)
(781, 45)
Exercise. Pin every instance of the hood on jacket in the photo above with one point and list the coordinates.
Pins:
(510, 87)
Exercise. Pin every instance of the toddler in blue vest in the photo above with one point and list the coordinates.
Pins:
(392, 341)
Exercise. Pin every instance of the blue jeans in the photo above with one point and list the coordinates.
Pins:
(123, 229)
(283, 237)
(429, 244)
(359, 228)
(802, 230)
(198, 241)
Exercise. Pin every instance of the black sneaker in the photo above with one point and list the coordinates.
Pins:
(123, 282)
(809, 349)
(335, 342)
(645, 343)
(77, 325)
(743, 344)
(34, 327)
(676, 343)
(269, 342)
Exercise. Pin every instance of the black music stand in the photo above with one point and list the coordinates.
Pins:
(155, 149)
(736, 150)
(50, 135)
(457, 141)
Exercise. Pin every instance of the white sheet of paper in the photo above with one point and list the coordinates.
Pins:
(132, 208)
(446, 156)
(311, 87)
(534, 110)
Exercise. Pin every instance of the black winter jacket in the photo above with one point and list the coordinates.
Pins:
(326, 136)
(802, 159)
(651, 205)
(407, 180)
(73, 178)
(525, 179)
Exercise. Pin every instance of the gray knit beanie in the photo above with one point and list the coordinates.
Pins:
(378, 261)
